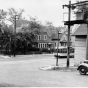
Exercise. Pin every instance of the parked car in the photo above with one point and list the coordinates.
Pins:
(83, 67)
(62, 51)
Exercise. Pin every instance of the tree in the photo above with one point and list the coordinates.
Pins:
(34, 24)
(12, 12)
(48, 23)
(3, 15)
(12, 18)
(26, 38)
(50, 28)
(83, 9)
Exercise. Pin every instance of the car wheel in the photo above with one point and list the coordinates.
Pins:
(82, 71)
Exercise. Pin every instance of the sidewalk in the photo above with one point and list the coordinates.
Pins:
(60, 68)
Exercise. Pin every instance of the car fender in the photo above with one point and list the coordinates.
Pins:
(83, 65)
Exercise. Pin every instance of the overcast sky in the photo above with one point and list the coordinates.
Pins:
(44, 10)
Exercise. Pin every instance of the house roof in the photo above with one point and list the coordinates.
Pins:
(55, 36)
(63, 41)
(81, 30)
(48, 30)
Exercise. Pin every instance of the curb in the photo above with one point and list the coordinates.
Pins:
(59, 68)
(2, 56)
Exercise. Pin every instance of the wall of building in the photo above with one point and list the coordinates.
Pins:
(80, 49)
(73, 41)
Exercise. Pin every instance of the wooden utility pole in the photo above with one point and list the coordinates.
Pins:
(57, 50)
(15, 24)
(68, 43)
(15, 34)
(68, 38)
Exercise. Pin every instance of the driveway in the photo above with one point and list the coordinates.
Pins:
(25, 72)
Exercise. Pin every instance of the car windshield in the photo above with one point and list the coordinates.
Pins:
(86, 62)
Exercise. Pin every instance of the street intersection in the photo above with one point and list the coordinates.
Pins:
(24, 71)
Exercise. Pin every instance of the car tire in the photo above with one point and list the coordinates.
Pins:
(82, 70)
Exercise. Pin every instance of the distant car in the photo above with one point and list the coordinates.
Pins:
(83, 67)
(62, 51)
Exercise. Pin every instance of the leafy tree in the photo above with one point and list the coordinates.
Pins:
(3, 15)
(26, 38)
(83, 9)
(12, 12)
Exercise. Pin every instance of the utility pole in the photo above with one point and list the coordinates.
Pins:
(57, 50)
(15, 34)
(15, 24)
(68, 43)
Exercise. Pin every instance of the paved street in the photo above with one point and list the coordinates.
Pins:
(24, 71)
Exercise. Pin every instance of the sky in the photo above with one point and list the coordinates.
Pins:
(44, 10)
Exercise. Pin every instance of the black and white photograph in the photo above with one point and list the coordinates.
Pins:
(43, 43)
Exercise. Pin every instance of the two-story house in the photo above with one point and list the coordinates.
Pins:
(44, 40)
(55, 39)
(62, 39)
(48, 40)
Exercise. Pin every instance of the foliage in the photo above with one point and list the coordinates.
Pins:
(12, 12)
(25, 40)
(2, 14)
(83, 9)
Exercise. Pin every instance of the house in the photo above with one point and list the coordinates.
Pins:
(48, 37)
(62, 39)
(44, 39)
(55, 39)
(80, 36)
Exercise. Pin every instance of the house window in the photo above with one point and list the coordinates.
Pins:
(42, 45)
(62, 44)
(39, 37)
(45, 37)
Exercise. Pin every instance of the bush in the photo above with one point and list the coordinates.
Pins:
(45, 50)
